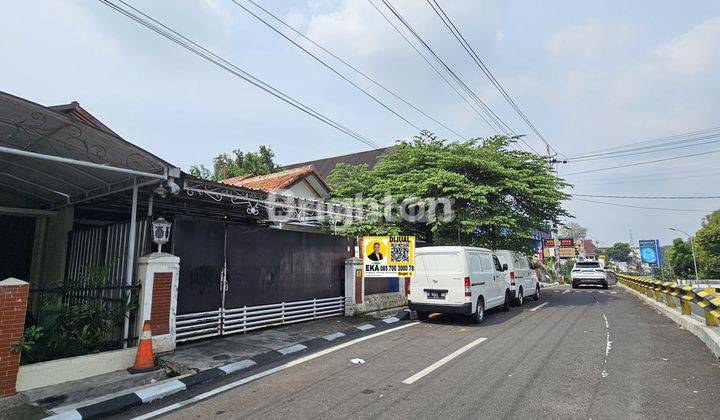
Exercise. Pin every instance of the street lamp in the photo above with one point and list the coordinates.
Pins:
(692, 246)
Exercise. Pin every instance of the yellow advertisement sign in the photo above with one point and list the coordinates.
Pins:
(388, 256)
(567, 252)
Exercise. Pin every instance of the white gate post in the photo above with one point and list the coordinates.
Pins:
(354, 285)
(159, 274)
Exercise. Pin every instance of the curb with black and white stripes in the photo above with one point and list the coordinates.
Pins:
(164, 388)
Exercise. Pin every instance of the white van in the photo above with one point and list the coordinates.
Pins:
(456, 279)
(521, 276)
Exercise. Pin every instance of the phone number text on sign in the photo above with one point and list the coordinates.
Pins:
(388, 256)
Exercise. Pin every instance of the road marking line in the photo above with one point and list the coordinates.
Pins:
(442, 361)
(566, 291)
(538, 307)
(265, 373)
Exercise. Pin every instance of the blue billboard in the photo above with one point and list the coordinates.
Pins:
(650, 252)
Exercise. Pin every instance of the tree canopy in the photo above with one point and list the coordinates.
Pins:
(499, 196)
(680, 260)
(238, 163)
(619, 252)
(707, 246)
(572, 230)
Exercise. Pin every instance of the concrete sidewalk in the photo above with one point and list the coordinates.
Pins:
(218, 351)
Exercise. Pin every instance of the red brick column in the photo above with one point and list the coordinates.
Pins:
(160, 310)
(13, 303)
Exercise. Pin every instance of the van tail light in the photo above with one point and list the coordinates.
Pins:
(512, 278)
(468, 292)
(407, 286)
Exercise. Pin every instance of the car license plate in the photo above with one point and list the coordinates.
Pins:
(436, 295)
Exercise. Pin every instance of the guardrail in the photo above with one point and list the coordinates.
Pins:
(666, 291)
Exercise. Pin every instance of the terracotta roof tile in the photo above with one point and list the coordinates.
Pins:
(275, 181)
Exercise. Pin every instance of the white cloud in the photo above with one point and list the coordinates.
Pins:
(295, 19)
(695, 51)
(592, 39)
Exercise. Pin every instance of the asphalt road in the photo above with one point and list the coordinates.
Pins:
(589, 353)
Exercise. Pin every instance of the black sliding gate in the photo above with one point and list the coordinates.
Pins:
(236, 278)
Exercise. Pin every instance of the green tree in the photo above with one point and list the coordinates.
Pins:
(238, 163)
(619, 252)
(572, 230)
(499, 195)
(680, 260)
(707, 246)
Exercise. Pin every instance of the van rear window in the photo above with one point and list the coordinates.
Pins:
(438, 263)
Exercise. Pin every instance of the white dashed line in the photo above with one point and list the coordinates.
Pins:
(442, 361)
(566, 291)
(538, 307)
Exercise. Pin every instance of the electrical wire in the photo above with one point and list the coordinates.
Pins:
(319, 60)
(645, 197)
(650, 141)
(435, 69)
(643, 207)
(181, 40)
(355, 69)
(497, 122)
(681, 144)
(649, 178)
(483, 67)
(451, 72)
(641, 163)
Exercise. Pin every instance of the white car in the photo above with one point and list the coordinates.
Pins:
(589, 272)
(455, 279)
(521, 276)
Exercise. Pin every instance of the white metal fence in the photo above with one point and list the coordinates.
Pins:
(247, 318)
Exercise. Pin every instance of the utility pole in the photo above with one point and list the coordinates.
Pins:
(556, 249)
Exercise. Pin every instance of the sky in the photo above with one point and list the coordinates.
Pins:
(588, 75)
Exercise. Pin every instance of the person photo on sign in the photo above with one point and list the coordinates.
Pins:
(376, 255)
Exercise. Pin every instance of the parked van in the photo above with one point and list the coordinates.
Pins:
(521, 276)
(455, 279)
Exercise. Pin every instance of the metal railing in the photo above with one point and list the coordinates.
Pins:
(705, 298)
(230, 321)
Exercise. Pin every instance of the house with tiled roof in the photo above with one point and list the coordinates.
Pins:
(302, 182)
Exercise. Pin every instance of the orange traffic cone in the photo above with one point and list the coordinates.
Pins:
(144, 360)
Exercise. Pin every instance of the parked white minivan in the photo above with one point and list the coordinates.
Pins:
(521, 276)
(455, 279)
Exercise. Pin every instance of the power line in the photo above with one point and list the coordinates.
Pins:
(500, 125)
(434, 68)
(645, 197)
(174, 36)
(483, 67)
(353, 68)
(650, 141)
(452, 73)
(652, 149)
(634, 180)
(319, 60)
(642, 163)
(643, 207)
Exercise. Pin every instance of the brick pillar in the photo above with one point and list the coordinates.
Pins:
(159, 274)
(13, 303)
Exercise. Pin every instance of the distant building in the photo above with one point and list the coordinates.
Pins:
(325, 166)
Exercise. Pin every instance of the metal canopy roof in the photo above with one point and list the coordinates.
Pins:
(49, 160)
